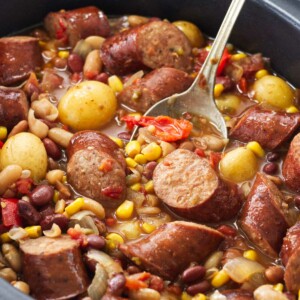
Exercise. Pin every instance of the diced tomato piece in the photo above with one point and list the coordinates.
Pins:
(1, 144)
(214, 159)
(112, 191)
(200, 152)
(10, 213)
(24, 185)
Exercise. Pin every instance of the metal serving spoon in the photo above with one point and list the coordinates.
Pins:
(199, 98)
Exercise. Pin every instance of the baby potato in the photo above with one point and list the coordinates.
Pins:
(26, 150)
(192, 32)
(87, 105)
(274, 91)
(228, 103)
(239, 165)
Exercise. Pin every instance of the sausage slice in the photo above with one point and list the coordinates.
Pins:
(263, 216)
(13, 106)
(53, 267)
(269, 128)
(171, 248)
(19, 55)
(152, 45)
(155, 86)
(192, 189)
(291, 165)
(71, 26)
(290, 255)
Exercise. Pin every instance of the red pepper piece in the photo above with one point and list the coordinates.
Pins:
(1, 144)
(24, 185)
(112, 191)
(214, 159)
(242, 85)
(10, 213)
(223, 62)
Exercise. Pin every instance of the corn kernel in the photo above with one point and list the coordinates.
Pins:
(185, 296)
(64, 179)
(63, 54)
(136, 260)
(179, 51)
(256, 148)
(34, 231)
(118, 141)
(5, 237)
(140, 159)
(218, 89)
(278, 287)
(148, 228)
(152, 151)
(3, 133)
(136, 187)
(220, 279)
(199, 296)
(56, 196)
(261, 73)
(115, 83)
(74, 207)
(227, 118)
(130, 162)
(207, 48)
(113, 240)
(149, 186)
(292, 109)
(237, 56)
(125, 210)
(250, 254)
(133, 148)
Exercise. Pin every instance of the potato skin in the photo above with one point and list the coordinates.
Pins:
(26, 150)
(87, 105)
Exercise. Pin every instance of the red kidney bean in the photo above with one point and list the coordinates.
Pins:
(273, 156)
(52, 149)
(28, 213)
(102, 77)
(193, 273)
(274, 274)
(149, 169)
(46, 210)
(116, 284)
(297, 202)
(227, 230)
(95, 241)
(133, 270)
(200, 287)
(100, 225)
(59, 219)
(270, 168)
(41, 195)
(124, 136)
(156, 283)
(60, 63)
(75, 63)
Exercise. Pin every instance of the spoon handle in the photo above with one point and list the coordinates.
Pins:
(209, 68)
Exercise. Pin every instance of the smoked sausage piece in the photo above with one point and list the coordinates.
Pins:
(238, 294)
(290, 255)
(53, 267)
(19, 55)
(269, 128)
(291, 165)
(71, 26)
(171, 248)
(13, 106)
(192, 189)
(96, 168)
(263, 216)
(155, 86)
(152, 45)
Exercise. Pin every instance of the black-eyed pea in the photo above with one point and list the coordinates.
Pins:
(12, 256)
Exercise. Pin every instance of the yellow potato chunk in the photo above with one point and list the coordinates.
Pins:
(228, 103)
(26, 150)
(239, 165)
(87, 105)
(274, 91)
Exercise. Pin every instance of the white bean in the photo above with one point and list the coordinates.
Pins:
(93, 64)
(95, 41)
(36, 126)
(20, 127)
(144, 294)
(60, 136)
(12, 256)
(55, 175)
(8, 274)
(93, 206)
(8, 176)
(45, 109)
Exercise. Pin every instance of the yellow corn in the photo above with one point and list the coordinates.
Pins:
(5, 237)
(34, 231)
(292, 109)
(56, 196)
(149, 186)
(130, 162)
(185, 296)
(113, 240)
(261, 73)
(136, 260)
(220, 279)
(227, 118)
(63, 54)
(3, 133)
(218, 89)
(74, 207)
(278, 287)
(179, 51)
(199, 296)
(250, 254)
(140, 159)
(115, 83)
(256, 148)
(133, 148)
(60, 206)
(148, 228)
(118, 141)
(136, 187)
(152, 151)
(207, 48)
(125, 210)
(238, 56)
(64, 179)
